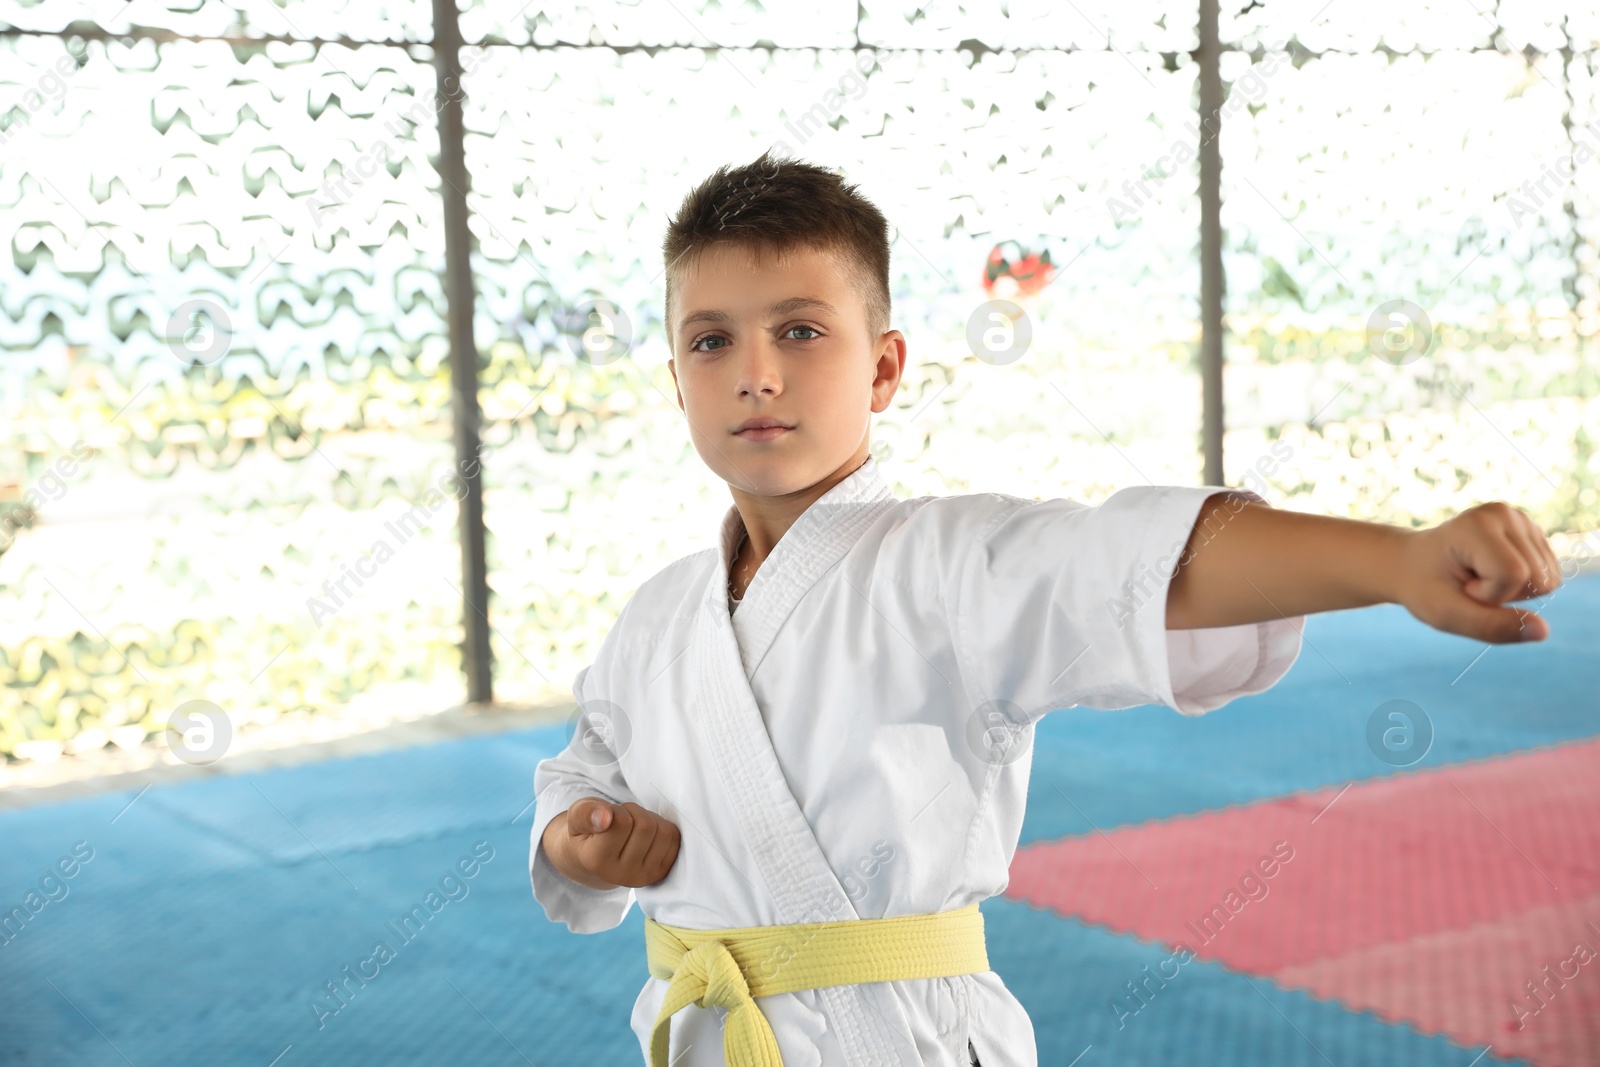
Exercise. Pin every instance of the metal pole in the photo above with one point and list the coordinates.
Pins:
(462, 299)
(1212, 282)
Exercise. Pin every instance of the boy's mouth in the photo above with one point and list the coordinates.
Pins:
(761, 429)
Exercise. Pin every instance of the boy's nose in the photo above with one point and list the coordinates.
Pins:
(759, 371)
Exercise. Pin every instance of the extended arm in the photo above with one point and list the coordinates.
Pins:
(1247, 562)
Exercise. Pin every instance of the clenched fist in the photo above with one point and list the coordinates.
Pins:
(604, 845)
(1460, 574)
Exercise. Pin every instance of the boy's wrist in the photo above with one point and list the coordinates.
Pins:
(555, 841)
(1390, 563)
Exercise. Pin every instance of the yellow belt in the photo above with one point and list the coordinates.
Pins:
(729, 968)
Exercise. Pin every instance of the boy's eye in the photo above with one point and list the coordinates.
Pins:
(695, 347)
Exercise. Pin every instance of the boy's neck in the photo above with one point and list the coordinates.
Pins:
(768, 518)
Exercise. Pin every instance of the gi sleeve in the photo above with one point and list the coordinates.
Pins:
(587, 767)
(1059, 603)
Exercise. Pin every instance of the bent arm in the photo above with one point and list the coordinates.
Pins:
(1248, 562)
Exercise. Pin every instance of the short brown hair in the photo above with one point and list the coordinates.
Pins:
(777, 204)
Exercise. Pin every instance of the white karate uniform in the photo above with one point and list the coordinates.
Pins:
(838, 748)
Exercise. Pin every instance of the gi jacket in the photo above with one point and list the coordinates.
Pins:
(855, 740)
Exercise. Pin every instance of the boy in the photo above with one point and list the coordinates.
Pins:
(824, 722)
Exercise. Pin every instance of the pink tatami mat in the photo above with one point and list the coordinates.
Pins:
(1429, 897)
(1473, 984)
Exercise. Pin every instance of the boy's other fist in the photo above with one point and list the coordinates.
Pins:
(1456, 575)
(623, 844)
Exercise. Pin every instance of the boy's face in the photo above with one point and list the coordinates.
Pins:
(769, 351)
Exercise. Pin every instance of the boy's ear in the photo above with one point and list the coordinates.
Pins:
(672, 366)
(892, 346)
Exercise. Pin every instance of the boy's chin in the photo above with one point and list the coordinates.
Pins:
(775, 476)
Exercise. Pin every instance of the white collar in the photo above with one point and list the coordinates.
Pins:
(817, 539)
(862, 485)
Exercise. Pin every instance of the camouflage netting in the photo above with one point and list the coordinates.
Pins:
(224, 387)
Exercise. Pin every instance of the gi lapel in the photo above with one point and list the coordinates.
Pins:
(871, 1028)
(826, 530)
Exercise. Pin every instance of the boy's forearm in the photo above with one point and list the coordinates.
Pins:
(1247, 562)
(557, 845)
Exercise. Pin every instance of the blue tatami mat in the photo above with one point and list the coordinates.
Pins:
(212, 915)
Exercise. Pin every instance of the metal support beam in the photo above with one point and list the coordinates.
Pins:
(461, 296)
(1212, 282)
